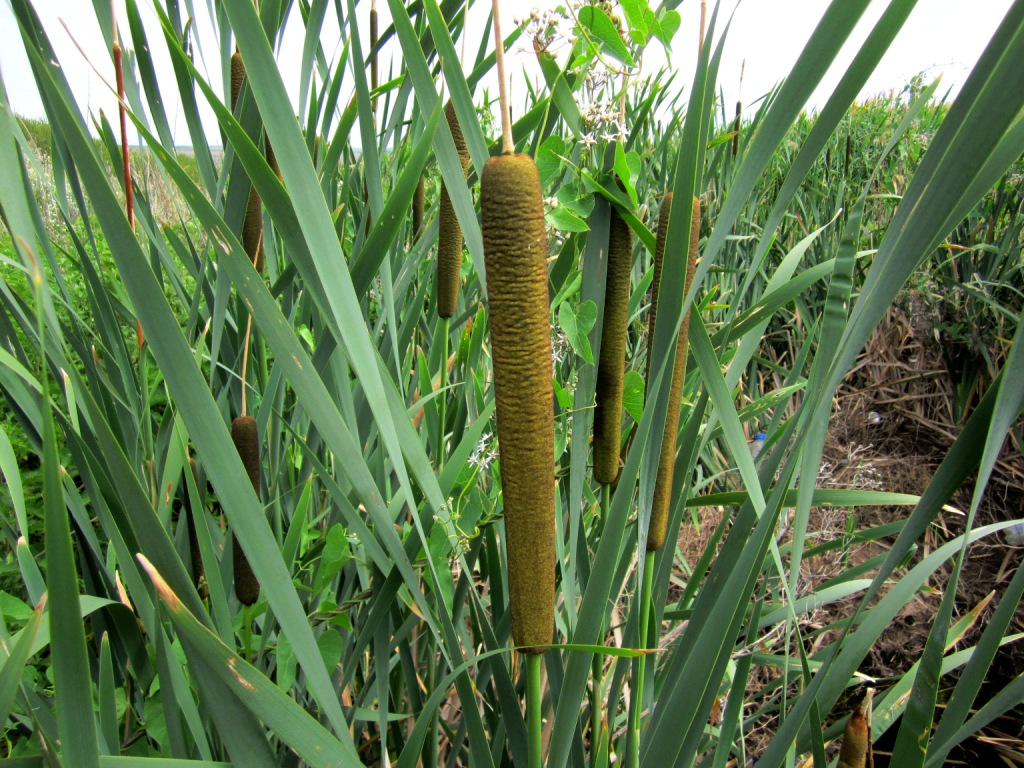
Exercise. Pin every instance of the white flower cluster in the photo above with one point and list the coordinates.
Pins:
(485, 451)
(547, 29)
(604, 120)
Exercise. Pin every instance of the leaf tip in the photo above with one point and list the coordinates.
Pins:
(162, 587)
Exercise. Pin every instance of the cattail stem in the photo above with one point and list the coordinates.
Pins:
(246, 631)
(507, 147)
(533, 709)
(442, 394)
(432, 744)
(245, 359)
(636, 703)
(129, 204)
(122, 114)
(703, 25)
(598, 733)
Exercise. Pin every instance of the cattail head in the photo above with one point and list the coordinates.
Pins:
(610, 367)
(449, 232)
(272, 161)
(736, 131)
(237, 77)
(659, 258)
(663, 485)
(515, 251)
(252, 224)
(247, 443)
(252, 230)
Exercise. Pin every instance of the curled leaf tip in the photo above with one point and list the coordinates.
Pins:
(162, 587)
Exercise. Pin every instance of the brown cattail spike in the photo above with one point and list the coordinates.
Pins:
(237, 77)
(449, 233)
(610, 368)
(247, 443)
(663, 485)
(252, 224)
(736, 130)
(272, 161)
(515, 251)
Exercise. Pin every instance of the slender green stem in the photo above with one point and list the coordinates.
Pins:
(598, 734)
(639, 664)
(246, 631)
(533, 708)
(432, 744)
(442, 395)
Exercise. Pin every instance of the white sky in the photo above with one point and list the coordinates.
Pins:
(941, 37)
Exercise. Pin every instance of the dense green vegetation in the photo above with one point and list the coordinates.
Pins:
(375, 625)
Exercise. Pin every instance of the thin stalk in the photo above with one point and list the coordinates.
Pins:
(703, 25)
(639, 665)
(598, 734)
(245, 360)
(246, 631)
(442, 395)
(432, 744)
(507, 147)
(125, 159)
(146, 427)
(533, 708)
(129, 205)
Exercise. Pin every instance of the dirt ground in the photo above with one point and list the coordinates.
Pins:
(893, 421)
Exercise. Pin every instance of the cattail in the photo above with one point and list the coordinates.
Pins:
(857, 737)
(193, 520)
(237, 77)
(846, 160)
(515, 250)
(272, 161)
(666, 465)
(252, 224)
(736, 131)
(419, 200)
(449, 233)
(247, 443)
(610, 368)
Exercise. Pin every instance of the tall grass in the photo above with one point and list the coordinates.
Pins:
(375, 523)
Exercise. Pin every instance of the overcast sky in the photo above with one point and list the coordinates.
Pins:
(941, 37)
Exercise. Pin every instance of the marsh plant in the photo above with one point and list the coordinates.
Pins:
(283, 513)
